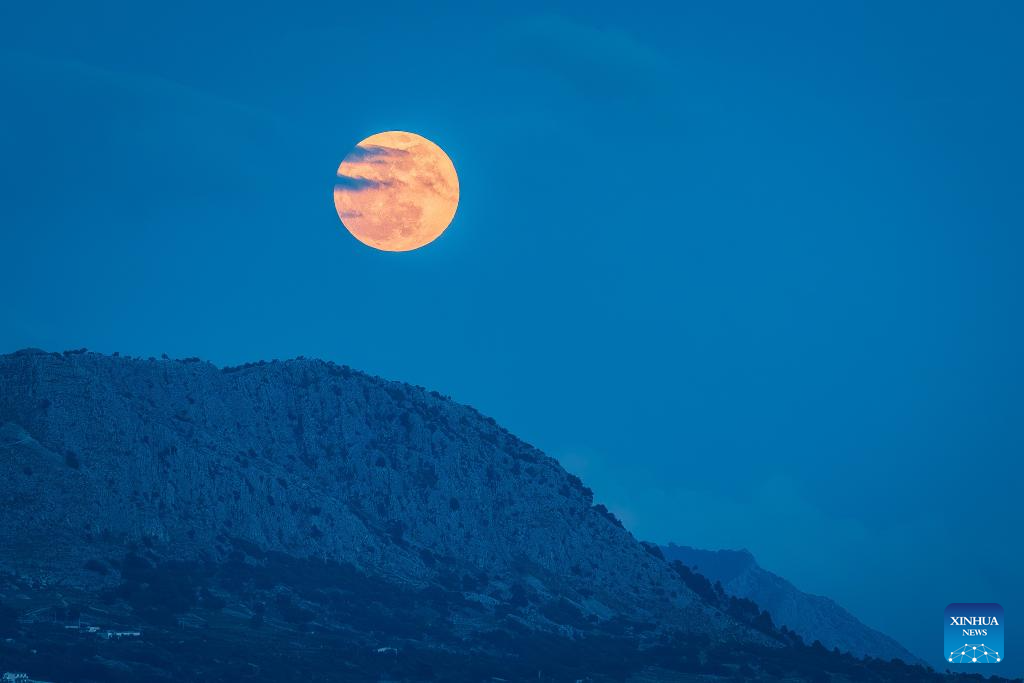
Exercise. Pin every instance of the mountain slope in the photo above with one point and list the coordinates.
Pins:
(813, 617)
(302, 521)
(312, 460)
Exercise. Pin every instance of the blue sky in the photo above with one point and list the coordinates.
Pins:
(752, 271)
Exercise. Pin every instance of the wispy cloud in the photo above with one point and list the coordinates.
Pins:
(356, 183)
(374, 154)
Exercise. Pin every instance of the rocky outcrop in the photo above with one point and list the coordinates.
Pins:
(313, 460)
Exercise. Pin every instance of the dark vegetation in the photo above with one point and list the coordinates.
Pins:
(607, 514)
(268, 616)
(253, 653)
(743, 610)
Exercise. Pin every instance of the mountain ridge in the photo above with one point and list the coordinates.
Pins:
(813, 617)
(307, 516)
(307, 458)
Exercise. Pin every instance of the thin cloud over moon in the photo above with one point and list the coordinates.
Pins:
(396, 191)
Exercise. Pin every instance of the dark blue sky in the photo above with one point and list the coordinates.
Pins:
(752, 271)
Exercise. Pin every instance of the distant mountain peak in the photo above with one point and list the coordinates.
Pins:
(813, 617)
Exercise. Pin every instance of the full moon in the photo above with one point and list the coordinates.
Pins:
(396, 191)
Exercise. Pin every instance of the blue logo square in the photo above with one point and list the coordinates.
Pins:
(973, 633)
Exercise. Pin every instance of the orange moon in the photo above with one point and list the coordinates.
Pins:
(396, 191)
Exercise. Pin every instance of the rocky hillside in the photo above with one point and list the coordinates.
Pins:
(303, 521)
(813, 617)
(306, 458)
